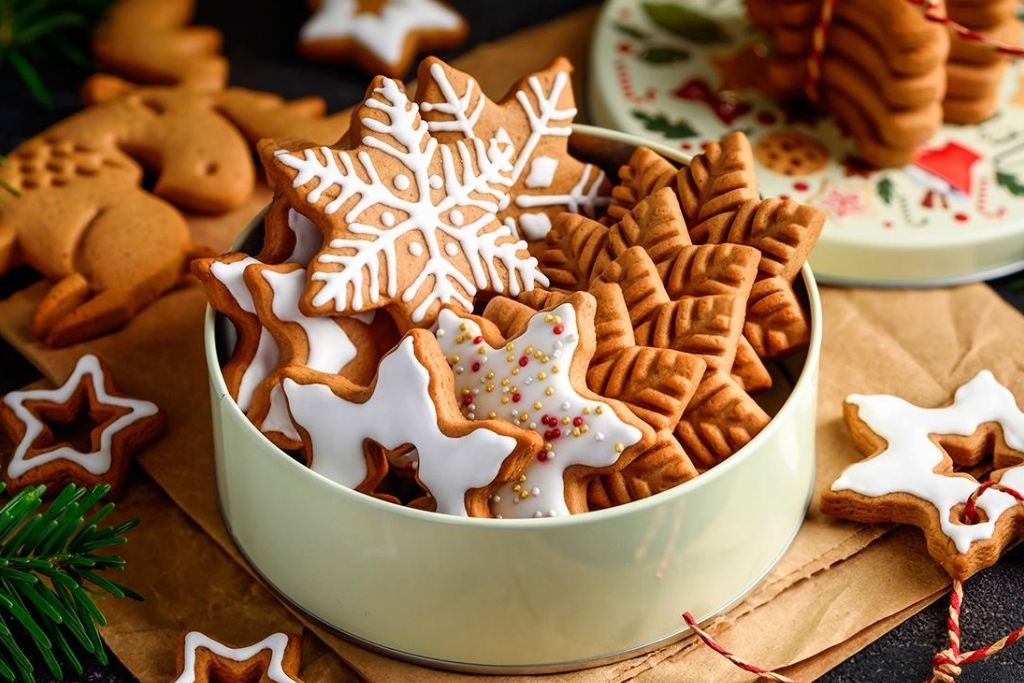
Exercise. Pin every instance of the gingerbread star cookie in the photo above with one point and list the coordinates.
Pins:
(37, 419)
(275, 659)
(409, 224)
(909, 474)
(412, 400)
(381, 36)
(530, 127)
(538, 379)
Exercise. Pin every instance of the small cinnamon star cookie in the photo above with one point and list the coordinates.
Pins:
(32, 419)
(381, 36)
(275, 659)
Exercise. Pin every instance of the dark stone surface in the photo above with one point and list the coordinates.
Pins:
(259, 42)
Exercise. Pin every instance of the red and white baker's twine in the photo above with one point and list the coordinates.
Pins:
(929, 11)
(947, 664)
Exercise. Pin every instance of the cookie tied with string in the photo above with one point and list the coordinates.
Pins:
(910, 475)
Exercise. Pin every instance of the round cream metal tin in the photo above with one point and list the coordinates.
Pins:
(537, 595)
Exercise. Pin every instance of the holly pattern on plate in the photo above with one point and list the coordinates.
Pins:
(968, 178)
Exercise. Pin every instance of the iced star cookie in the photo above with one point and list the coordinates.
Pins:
(909, 473)
(381, 36)
(409, 224)
(459, 463)
(44, 454)
(538, 380)
(202, 659)
(530, 126)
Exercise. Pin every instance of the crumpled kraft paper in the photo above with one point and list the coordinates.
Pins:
(833, 592)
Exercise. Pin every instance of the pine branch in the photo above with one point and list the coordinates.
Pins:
(50, 561)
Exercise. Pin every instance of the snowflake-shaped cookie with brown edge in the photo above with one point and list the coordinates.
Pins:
(408, 223)
(909, 474)
(530, 125)
(719, 197)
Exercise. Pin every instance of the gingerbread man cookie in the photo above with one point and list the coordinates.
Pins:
(275, 659)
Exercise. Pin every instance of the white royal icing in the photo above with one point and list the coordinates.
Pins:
(276, 643)
(97, 462)
(267, 353)
(330, 349)
(461, 114)
(308, 239)
(527, 382)
(400, 411)
(908, 463)
(438, 223)
(383, 34)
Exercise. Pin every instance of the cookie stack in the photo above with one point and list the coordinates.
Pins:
(888, 75)
(398, 336)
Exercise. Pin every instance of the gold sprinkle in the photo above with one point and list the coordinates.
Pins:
(482, 350)
(585, 428)
(490, 388)
(575, 431)
(558, 318)
(459, 339)
(489, 375)
(504, 400)
(465, 392)
(515, 371)
(522, 477)
(537, 405)
(492, 415)
(504, 382)
(555, 369)
(549, 318)
(542, 376)
(566, 420)
(510, 346)
(586, 410)
(548, 447)
(545, 359)
(524, 417)
(529, 350)
(549, 391)
(537, 354)
(524, 494)
(462, 327)
(510, 358)
(599, 410)
(517, 487)
(619, 448)
(455, 358)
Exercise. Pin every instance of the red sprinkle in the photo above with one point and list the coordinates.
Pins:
(577, 421)
(476, 367)
(558, 329)
(516, 398)
(467, 400)
(478, 339)
(961, 217)
(801, 187)
(543, 456)
(523, 360)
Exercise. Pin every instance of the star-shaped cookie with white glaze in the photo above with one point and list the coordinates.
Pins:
(202, 659)
(381, 36)
(36, 421)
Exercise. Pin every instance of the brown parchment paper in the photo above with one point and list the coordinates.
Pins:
(832, 593)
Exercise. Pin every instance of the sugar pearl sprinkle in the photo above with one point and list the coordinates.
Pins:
(534, 393)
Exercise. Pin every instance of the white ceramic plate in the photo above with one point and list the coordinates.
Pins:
(956, 215)
(513, 596)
